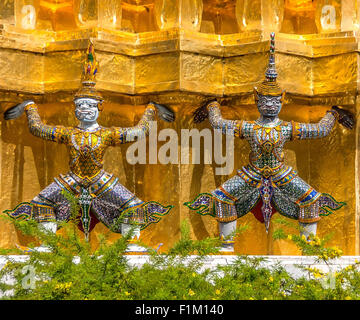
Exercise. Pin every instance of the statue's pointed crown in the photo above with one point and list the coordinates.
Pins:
(269, 87)
(88, 82)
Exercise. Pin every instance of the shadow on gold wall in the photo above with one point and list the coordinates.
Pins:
(28, 164)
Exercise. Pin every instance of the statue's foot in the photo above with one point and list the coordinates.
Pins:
(24, 249)
(227, 247)
(42, 249)
(132, 247)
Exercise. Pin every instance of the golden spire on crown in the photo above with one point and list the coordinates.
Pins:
(91, 68)
(269, 87)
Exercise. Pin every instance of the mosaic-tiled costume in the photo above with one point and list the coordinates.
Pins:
(100, 195)
(267, 181)
(267, 185)
(86, 179)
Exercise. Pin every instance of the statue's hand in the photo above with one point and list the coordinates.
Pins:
(346, 118)
(164, 112)
(201, 113)
(16, 111)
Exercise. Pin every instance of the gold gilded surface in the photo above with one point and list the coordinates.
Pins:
(46, 14)
(7, 11)
(230, 16)
(219, 17)
(28, 164)
(207, 16)
(178, 52)
(201, 73)
(184, 14)
(302, 75)
(117, 72)
(328, 15)
(190, 59)
(320, 16)
(357, 175)
(223, 45)
(157, 72)
(295, 73)
(227, 65)
(299, 17)
(153, 64)
(16, 64)
(54, 15)
(272, 14)
(341, 146)
(61, 70)
(140, 14)
(250, 16)
(317, 45)
(335, 73)
(349, 15)
(237, 78)
(60, 13)
(110, 14)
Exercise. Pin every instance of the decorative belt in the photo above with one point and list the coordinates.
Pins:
(280, 175)
(86, 181)
(266, 171)
(95, 185)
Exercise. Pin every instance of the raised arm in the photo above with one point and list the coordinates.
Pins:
(137, 132)
(141, 130)
(212, 110)
(324, 126)
(317, 130)
(58, 134)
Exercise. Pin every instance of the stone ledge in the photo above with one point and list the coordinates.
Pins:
(212, 261)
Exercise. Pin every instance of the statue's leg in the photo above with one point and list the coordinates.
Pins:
(298, 200)
(127, 228)
(133, 217)
(49, 207)
(120, 210)
(307, 229)
(43, 211)
(233, 199)
(46, 227)
(134, 230)
(227, 233)
(117, 209)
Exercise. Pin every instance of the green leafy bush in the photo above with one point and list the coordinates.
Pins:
(106, 274)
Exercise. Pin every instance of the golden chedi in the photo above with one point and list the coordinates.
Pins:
(180, 53)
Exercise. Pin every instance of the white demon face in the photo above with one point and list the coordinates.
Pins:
(86, 109)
